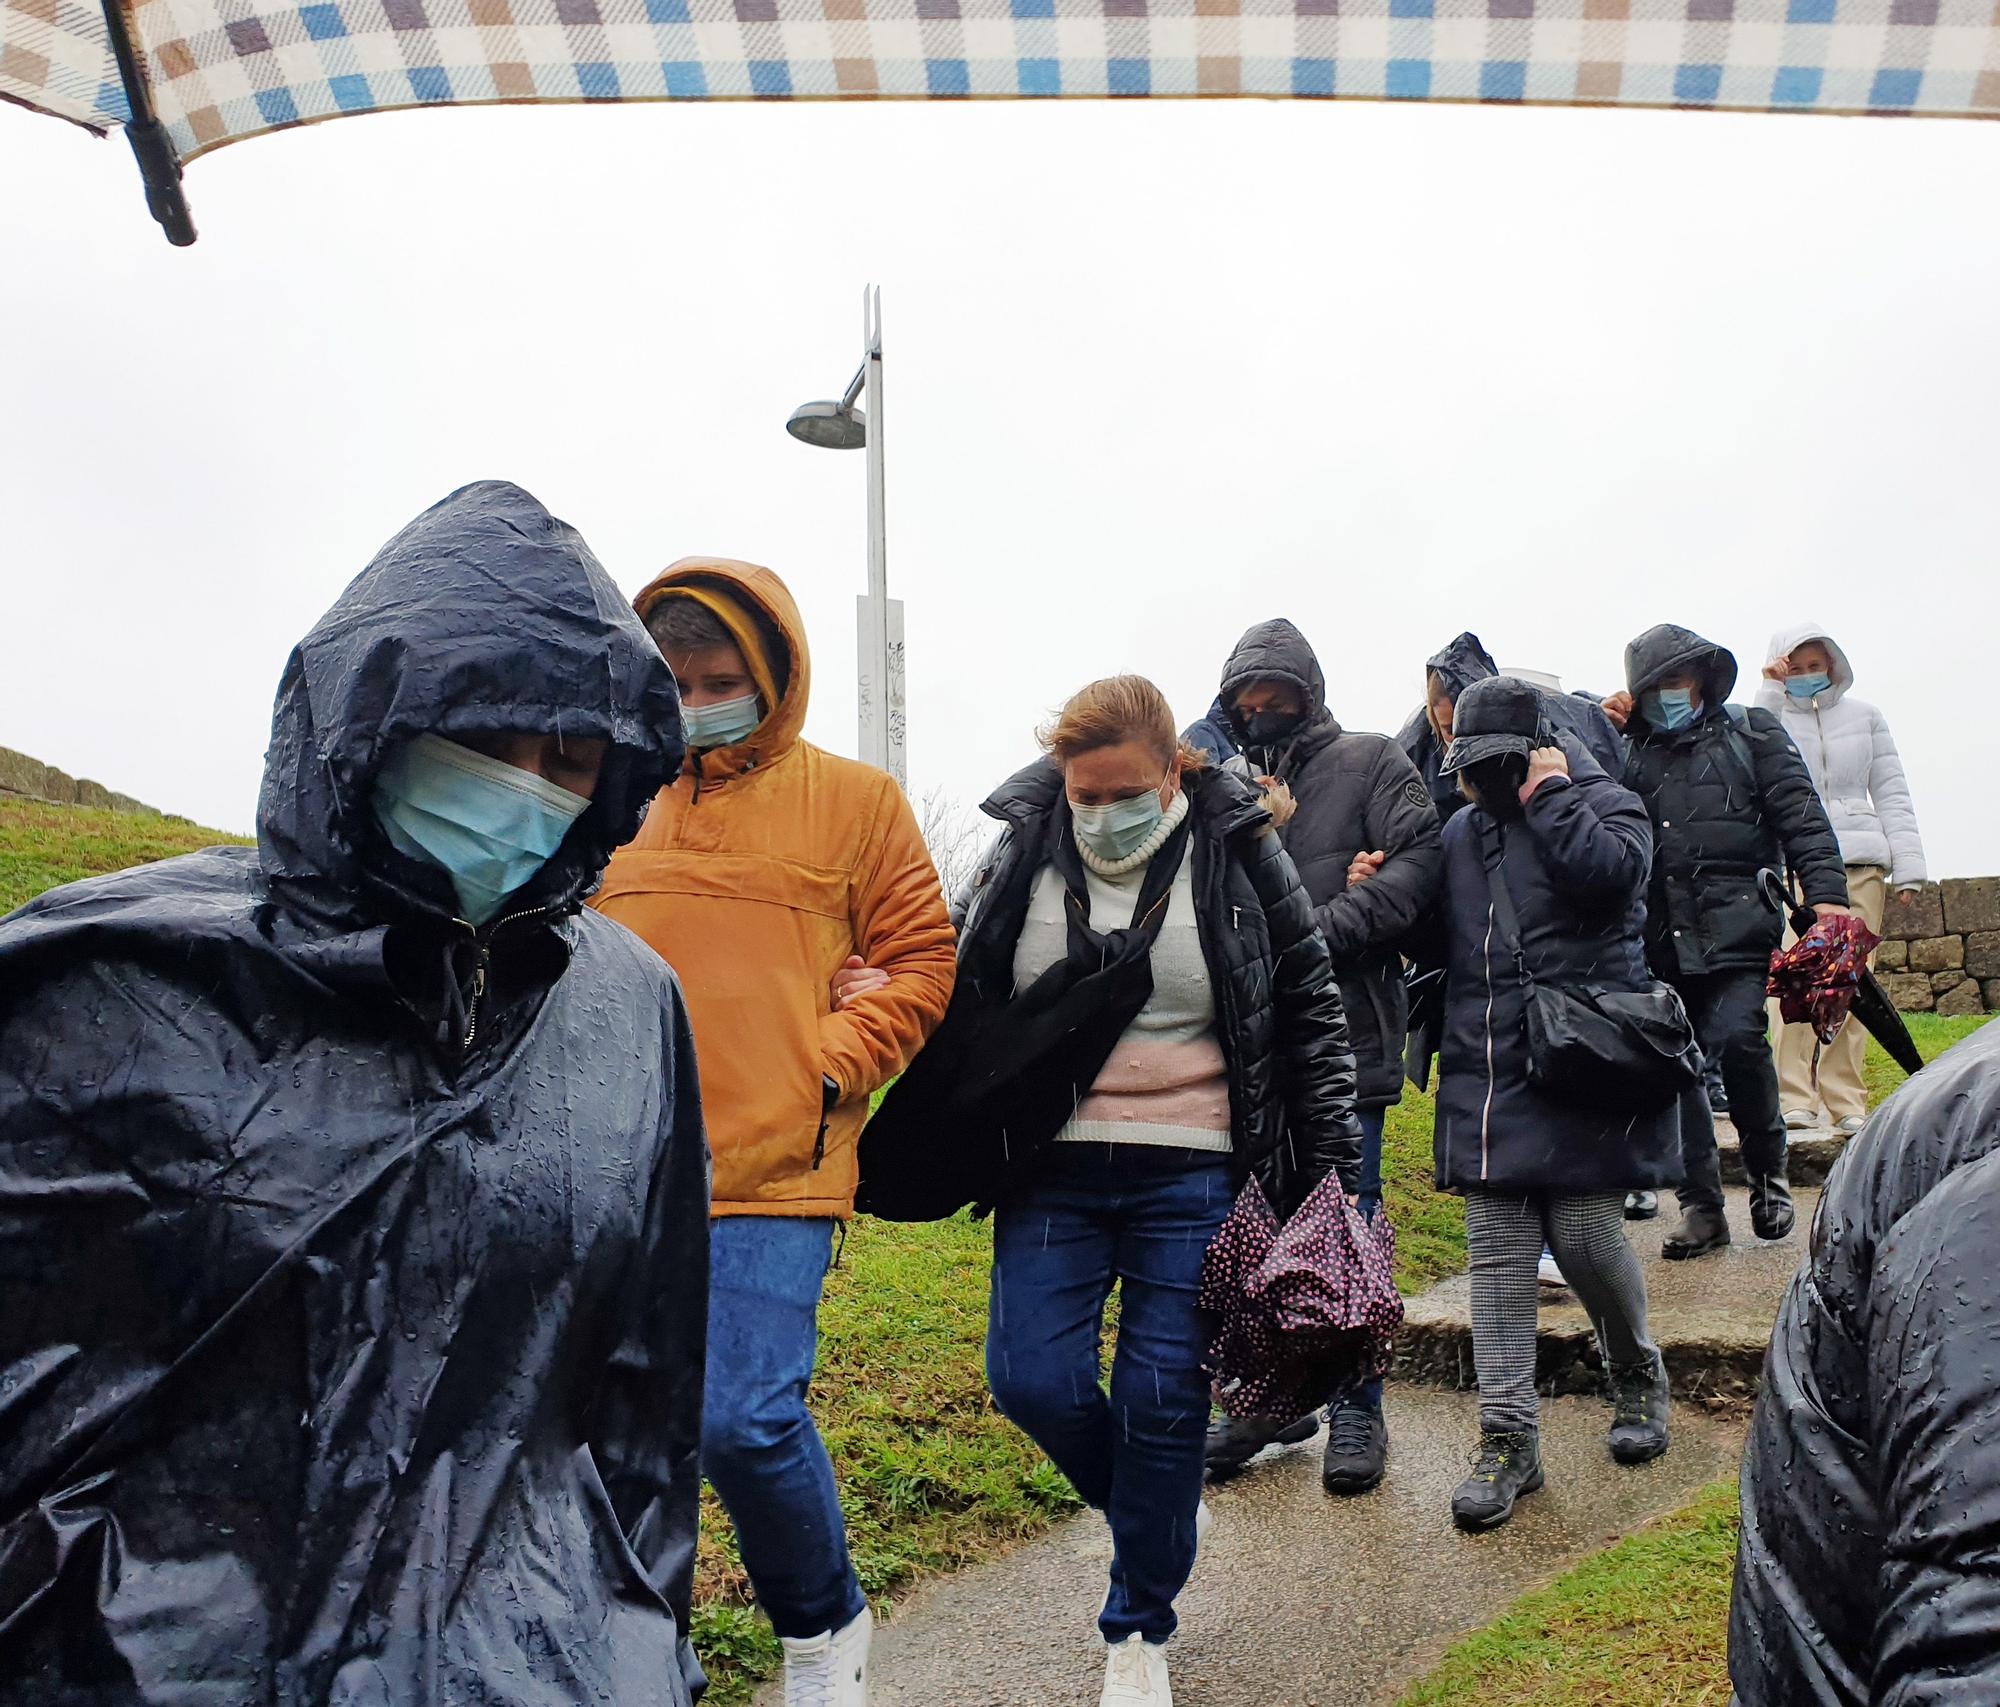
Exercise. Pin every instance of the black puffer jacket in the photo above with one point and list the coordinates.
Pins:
(355, 1262)
(1728, 796)
(1278, 1010)
(1355, 793)
(1464, 661)
(1871, 1482)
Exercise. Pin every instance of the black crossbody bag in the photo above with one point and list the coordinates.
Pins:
(1610, 1051)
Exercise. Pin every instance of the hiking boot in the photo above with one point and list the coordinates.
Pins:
(1641, 1205)
(1505, 1467)
(1702, 1229)
(1771, 1215)
(1640, 1396)
(1233, 1442)
(1135, 1674)
(829, 1670)
(1357, 1448)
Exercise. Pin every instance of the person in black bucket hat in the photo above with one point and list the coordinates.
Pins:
(1499, 716)
(1553, 855)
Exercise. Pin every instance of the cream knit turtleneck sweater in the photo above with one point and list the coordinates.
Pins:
(1166, 1081)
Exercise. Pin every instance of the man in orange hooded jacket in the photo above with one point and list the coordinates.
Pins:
(792, 892)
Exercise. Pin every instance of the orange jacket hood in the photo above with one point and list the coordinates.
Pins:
(763, 592)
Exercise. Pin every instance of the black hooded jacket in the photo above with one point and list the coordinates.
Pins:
(1728, 796)
(355, 1261)
(1356, 793)
(1464, 661)
(1278, 1010)
(1871, 1481)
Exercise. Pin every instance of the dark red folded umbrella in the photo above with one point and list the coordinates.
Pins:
(1306, 1310)
(1815, 980)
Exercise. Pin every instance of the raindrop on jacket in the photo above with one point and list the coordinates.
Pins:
(354, 1261)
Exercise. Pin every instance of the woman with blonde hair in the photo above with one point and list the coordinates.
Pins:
(1143, 961)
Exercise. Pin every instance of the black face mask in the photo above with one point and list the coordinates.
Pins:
(1269, 728)
(1495, 786)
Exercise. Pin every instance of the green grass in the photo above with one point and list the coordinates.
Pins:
(1933, 1034)
(42, 845)
(1638, 1625)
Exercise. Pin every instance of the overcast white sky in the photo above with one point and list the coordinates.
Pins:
(1157, 371)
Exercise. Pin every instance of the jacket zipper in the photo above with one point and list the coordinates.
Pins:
(1486, 1113)
(485, 959)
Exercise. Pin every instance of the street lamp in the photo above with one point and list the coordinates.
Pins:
(879, 655)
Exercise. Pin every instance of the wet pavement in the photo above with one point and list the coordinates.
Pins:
(1299, 1599)
(1711, 1316)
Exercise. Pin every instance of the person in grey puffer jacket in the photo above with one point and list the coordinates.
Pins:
(1364, 836)
(1853, 762)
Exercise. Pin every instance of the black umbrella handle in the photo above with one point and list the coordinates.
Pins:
(1779, 900)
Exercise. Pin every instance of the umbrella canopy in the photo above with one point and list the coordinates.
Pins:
(187, 76)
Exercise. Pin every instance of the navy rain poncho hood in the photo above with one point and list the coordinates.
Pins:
(354, 1261)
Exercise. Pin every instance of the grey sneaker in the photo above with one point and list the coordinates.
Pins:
(1233, 1442)
(1851, 1125)
(1505, 1467)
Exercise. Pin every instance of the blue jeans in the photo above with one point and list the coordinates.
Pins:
(758, 1445)
(1140, 1217)
(1369, 1199)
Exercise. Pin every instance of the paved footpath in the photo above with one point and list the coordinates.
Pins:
(1301, 1600)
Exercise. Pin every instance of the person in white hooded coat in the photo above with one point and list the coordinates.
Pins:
(1859, 774)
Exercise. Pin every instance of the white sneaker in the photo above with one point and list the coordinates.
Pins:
(1204, 1521)
(1851, 1125)
(829, 1670)
(1135, 1675)
(1800, 1120)
(1547, 1272)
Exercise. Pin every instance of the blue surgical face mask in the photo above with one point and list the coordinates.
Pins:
(490, 825)
(722, 724)
(1120, 829)
(1808, 687)
(1670, 708)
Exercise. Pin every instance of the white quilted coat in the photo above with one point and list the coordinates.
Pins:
(1854, 763)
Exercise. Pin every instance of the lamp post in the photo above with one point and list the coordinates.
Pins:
(879, 656)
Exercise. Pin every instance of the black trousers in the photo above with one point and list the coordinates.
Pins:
(1727, 1009)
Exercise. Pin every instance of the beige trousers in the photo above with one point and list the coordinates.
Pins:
(1840, 1093)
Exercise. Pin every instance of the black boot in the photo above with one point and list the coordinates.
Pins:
(1505, 1467)
(1232, 1443)
(1771, 1215)
(1641, 1205)
(1357, 1448)
(1702, 1229)
(1641, 1396)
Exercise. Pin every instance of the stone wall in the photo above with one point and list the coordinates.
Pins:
(1941, 947)
(22, 775)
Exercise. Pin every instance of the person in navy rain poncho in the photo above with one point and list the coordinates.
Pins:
(353, 1198)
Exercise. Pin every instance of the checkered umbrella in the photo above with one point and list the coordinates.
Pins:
(186, 76)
